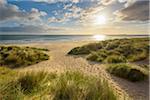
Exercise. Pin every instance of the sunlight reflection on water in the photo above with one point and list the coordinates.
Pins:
(99, 37)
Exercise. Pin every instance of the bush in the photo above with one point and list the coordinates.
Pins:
(126, 71)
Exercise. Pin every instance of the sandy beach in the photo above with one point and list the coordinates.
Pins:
(59, 62)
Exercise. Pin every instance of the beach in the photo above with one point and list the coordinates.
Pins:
(60, 62)
(74, 50)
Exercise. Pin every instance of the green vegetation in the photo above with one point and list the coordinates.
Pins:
(115, 59)
(13, 56)
(86, 49)
(76, 86)
(115, 51)
(127, 71)
(51, 86)
(6, 74)
(42, 49)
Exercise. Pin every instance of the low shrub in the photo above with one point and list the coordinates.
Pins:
(115, 59)
(86, 49)
(112, 45)
(97, 56)
(131, 50)
(126, 71)
(93, 57)
(93, 46)
(139, 56)
(13, 57)
(106, 56)
(79, 51)
(41, 49)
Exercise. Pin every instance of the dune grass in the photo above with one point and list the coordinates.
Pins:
(52, 86)
(86, 49)
(127, 71)
(76, 86)
(14, 57)
(115, 51)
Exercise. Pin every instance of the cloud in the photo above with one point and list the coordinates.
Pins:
(137, 11)
(22, 29)
(55, 1)
(16, 20)
(68, 12)
(9, 11)
(2, 2)
(128, 2)
(55, 20)
(73, 11)
(31, 29)
(88, 15)
(35, 14)
(107, 2)
(75, 1)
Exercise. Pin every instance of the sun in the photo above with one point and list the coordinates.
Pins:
(101, 19)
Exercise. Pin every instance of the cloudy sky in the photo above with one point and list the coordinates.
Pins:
(74, 16)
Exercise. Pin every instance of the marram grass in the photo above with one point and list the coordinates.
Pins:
(51, 86)
(14, 57)
(126, 71)
(115, 51)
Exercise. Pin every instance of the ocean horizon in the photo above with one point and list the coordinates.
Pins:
(59, 38)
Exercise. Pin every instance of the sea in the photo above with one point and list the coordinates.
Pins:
(10, 39)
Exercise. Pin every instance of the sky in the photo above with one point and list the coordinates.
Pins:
(77, 17)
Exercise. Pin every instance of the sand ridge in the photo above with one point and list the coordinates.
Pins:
(59, 62)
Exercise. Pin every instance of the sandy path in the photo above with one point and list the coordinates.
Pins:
(60, 62)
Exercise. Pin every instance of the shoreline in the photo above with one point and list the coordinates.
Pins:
(49, 42)
(90, 38)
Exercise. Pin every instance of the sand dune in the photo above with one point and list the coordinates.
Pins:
(59, 62)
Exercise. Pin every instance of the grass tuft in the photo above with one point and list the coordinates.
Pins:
(115, 51)
(76, 86)
(115, 59)
(14, 57)
(32, 82)
(65, 86)
(126, 71)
